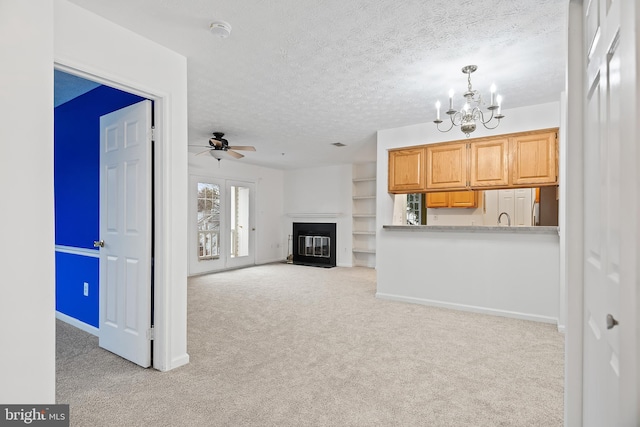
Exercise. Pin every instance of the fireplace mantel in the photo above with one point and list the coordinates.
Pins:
(314, 214)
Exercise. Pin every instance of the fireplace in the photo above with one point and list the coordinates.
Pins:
(314, 243)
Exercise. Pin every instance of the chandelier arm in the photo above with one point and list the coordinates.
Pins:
(482, 120)
(450, 127)
(458, 116)
(491, 127)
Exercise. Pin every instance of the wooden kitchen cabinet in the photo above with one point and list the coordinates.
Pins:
(489, 163)
(407, 170)
(447, 166)
(525, 159)
(534, 159)
(438, 200)
(453, 199)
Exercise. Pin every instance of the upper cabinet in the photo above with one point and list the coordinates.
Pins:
(489, 163)
(534, 159)
(407, 170)
(447, 166)
(524, 159)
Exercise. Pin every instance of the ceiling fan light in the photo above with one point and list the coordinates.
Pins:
(216, 154)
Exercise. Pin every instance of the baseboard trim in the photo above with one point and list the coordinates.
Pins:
(176, 362)
(77, 323)
(470, 308)
(272, 261)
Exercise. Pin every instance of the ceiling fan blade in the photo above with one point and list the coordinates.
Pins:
(234, 154)
(243, 147)
(199, 149)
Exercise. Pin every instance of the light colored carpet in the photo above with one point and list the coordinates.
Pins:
(287, 345)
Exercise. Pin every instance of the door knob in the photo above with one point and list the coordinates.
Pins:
(98, 243)
(611, 322)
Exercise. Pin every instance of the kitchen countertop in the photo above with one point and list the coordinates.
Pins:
(474, 229)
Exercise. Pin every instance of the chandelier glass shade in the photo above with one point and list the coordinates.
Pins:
(471, 112)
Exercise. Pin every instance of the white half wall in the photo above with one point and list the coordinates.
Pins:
(506, 274)
(94, 47)
(27, 293)
(270, 246)
(322, 194)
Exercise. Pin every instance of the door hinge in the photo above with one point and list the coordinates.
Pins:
(153, 133)
(151, 334)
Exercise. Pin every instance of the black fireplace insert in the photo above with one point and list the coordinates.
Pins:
(314, 243)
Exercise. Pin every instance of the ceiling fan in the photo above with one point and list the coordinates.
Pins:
(218, 143)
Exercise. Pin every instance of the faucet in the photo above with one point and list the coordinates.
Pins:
(508, 218)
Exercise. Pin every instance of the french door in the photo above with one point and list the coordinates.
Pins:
(240, 225)
(221, 224)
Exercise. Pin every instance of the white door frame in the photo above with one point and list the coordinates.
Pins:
(161, 291)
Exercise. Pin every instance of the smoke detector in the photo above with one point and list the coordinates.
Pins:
(220, 28)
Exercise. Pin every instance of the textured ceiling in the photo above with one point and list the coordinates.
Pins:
(296, 76)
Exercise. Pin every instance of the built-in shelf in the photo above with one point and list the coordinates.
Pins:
(364, 214)
(364, 250)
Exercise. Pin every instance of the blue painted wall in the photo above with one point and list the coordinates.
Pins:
(77, 196)
(71, 273)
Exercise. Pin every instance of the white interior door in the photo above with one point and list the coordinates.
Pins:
(523, 207)
(125, 230)
(241, 223)
(602, 207)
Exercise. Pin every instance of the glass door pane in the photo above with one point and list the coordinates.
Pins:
(240, 221)
(240, 231)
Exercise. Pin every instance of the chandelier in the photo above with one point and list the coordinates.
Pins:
(471, 111)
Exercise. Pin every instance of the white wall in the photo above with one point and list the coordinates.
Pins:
(396, 281)
(322, 194)
(27, 299)
(508, 274)
(99, 49)
(270, 246)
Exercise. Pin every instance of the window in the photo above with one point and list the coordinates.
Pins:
(208, 221)
(414, 209)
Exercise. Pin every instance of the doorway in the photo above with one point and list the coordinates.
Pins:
(79, 104)
(221, 224)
